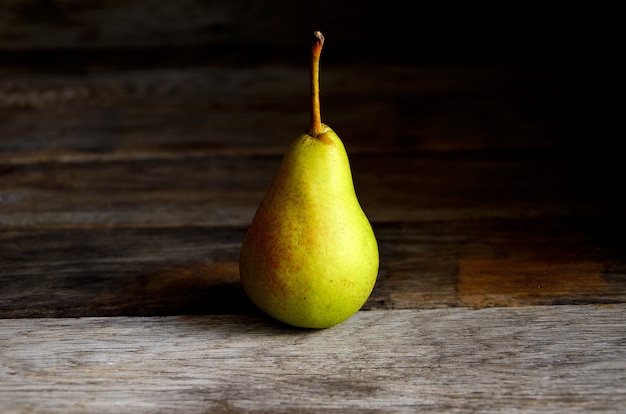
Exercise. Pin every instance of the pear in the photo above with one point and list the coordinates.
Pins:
(310, 257)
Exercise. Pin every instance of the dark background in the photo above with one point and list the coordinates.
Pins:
(66, 33)
(577, 45)
(493, 126)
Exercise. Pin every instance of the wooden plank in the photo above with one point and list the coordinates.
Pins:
(358, 30)
(252, 110)
(116, 271)
(68, 203)
(183, 191)
(225, 190)
(550, 359)
(159, 270)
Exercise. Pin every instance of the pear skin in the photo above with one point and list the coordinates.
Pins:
(310, 257)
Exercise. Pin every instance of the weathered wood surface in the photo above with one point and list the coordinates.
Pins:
(540, 359)
(161, 270)
(125, 194)
(128, 192)
(104, 146)
(226, 190)
(257, 110)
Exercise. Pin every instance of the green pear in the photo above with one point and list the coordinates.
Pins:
(310, 257)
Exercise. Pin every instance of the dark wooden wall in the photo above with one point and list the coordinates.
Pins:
(578, 45)
(192, 30)
(157, 125)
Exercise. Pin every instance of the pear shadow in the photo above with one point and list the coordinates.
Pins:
(208, 297)
(255, 324)
(193, 289)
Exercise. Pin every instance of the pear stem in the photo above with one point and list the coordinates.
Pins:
(316, 115)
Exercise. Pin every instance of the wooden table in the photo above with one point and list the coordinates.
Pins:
(494, 193)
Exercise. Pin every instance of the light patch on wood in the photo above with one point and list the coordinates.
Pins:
(517, 281)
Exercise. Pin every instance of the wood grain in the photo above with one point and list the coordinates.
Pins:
(128, 192)
(251, 110)
(549, 359)
(159, 270)
(189, 190)
(133, 154)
